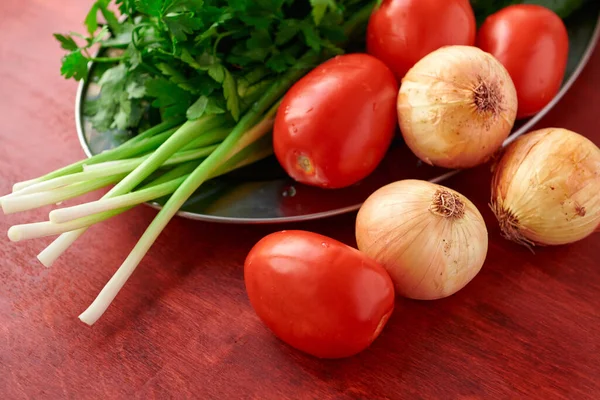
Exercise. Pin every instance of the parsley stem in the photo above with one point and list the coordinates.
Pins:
(107, 59)
(218, 40)
(149, 68)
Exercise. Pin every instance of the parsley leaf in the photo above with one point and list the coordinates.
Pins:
(126, 6)
(197, 109)
(91, 19)
(251, 78)
(183, 5)
(112, 85)
(214, 106)
(169, 97)
(258, 45)
(280, 61)
(319, 8)
(181, 25)
(120, 103)
(135, 56)
(128, 113)
(176, 77)
(74, 65)
(66, 42)
(152, 8)
(222, 75)
(311, 37)
(109, 16)
(287, 31)
(262, 22)
(135, 89)
(333, 33)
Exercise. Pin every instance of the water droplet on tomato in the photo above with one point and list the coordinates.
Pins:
(309, 110)
(324, 244)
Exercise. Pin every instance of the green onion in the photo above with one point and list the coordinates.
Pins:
(138, 144)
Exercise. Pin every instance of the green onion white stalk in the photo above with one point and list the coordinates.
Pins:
(141, 143)
(247, 131)
(47, 228)
(23, 202)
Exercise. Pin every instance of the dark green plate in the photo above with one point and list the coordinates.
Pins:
(262, 193)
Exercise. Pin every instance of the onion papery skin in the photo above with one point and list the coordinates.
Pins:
(431, 250)
(546, 188)
(456, 107)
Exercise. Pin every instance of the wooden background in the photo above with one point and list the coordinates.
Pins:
(527, 327)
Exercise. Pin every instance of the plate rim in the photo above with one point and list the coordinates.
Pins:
(345, 210)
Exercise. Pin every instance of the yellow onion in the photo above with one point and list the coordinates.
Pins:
(546, 188)
(456, 107)
(431, 239)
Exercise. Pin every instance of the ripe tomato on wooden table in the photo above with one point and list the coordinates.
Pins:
(317, 294)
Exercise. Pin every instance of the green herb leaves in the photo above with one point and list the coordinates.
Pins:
(169, 97)
(74, 65)
(119, 105)
(196, 57)
(152, 8)
(66, 42)
(221, 75)
(319, 8)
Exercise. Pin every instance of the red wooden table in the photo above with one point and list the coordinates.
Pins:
(528, 326)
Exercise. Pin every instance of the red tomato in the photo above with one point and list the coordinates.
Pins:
(317, 294)
(532, 43)
(334, 125)
(401, 32)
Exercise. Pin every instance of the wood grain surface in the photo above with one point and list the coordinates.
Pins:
(527, 327)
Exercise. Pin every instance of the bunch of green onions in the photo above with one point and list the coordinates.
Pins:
(171, 159)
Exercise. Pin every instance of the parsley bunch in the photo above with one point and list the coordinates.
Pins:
(197, 57)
